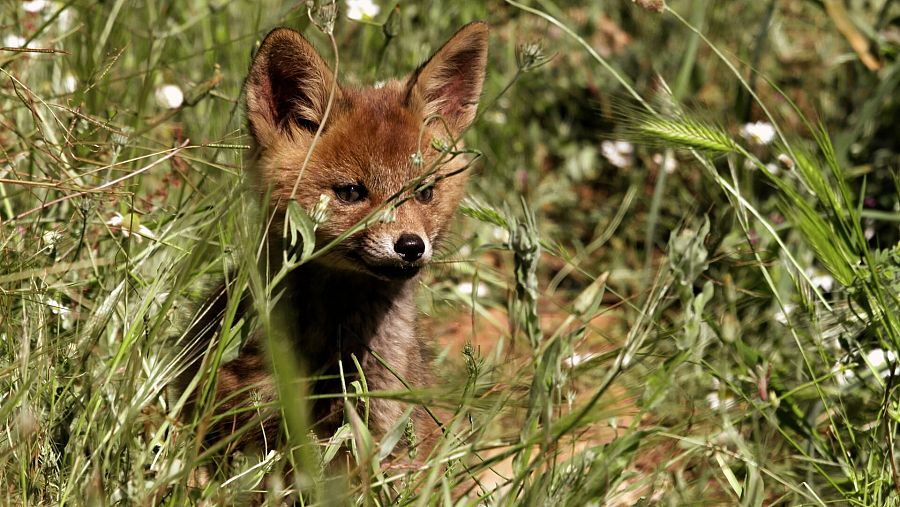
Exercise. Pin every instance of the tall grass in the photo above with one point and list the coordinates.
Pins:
(604, 333)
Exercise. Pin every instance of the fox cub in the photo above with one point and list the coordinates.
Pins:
(358, 297)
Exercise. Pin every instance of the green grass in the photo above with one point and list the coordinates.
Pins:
(606, 332)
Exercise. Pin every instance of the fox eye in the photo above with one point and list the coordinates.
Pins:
(351, 193)
(425, 195)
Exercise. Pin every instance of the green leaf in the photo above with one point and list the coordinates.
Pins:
(335, 443)
(301, 227)
(754, 490)
(394, 434)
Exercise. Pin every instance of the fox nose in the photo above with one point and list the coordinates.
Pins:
(410, 247)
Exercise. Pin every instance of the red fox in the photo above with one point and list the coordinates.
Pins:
(358, 297)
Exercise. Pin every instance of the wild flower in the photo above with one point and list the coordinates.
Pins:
(760, 133)
(498, 117)
(576, 359)
(169, 96)
(466, 288)
(869, 230)
(668, 164)
(13, 41)
(130, 225)
(69, 83)
(618, 153)
(880, 360)
(530, 56)
(362, 9)
(34, 5)
(843, 375)
(715, 401)
(51, 237)
(822, 280)
(66, 19)
(60, 310)
(787, 163)
(319, 213)
(781, 316)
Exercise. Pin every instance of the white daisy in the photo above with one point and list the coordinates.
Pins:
(618, 153)
(169, 96)
(760, 132)
(362, 9)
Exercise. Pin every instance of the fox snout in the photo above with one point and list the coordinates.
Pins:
(391, 254)
(410, 247)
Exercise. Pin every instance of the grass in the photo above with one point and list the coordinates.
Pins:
(607, 331)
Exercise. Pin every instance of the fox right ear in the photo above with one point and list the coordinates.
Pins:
(287, 87)
(449, 84)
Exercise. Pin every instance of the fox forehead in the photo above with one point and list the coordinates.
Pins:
(373, 136)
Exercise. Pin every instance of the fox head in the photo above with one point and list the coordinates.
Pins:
(379, 148)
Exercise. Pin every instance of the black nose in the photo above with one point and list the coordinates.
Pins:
(410, 247)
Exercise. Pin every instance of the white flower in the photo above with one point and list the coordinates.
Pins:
(466, 288)
(773, 169)
(786, 161)
(878, 359)
(782, 315)
(617, 152)
(759, 132)
(497, 117)
(713, 399)
(61, 310)
(34, 5)
(69, 84)
(823, 281)
(319, 213)
(842, 374)
(576, 359)
(13, 41)
(668, 164)
(130, 225)
(169, 96)
(869, 230)
(144, 231)
(715, 403)
(66, 19)
(56, 307)
(362, 9)
(116, 221)
(52, 237)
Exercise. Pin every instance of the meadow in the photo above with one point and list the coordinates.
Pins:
(675, 278)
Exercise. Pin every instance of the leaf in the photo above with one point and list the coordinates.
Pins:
(754, 489)
(299, 222)
(335, 443)
(587, 302)
(693, 319)
(362, 438)
(729, 474)
(394, 434)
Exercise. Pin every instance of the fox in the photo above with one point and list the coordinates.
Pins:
(358, 149)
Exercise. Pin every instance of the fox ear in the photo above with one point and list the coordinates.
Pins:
(287, 86)
(449, 83)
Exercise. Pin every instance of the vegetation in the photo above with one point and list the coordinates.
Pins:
(676, 279)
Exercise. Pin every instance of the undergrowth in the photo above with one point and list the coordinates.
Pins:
(643, 302)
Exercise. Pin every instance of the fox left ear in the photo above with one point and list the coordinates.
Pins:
(449, 83)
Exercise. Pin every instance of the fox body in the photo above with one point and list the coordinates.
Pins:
(361, 148)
